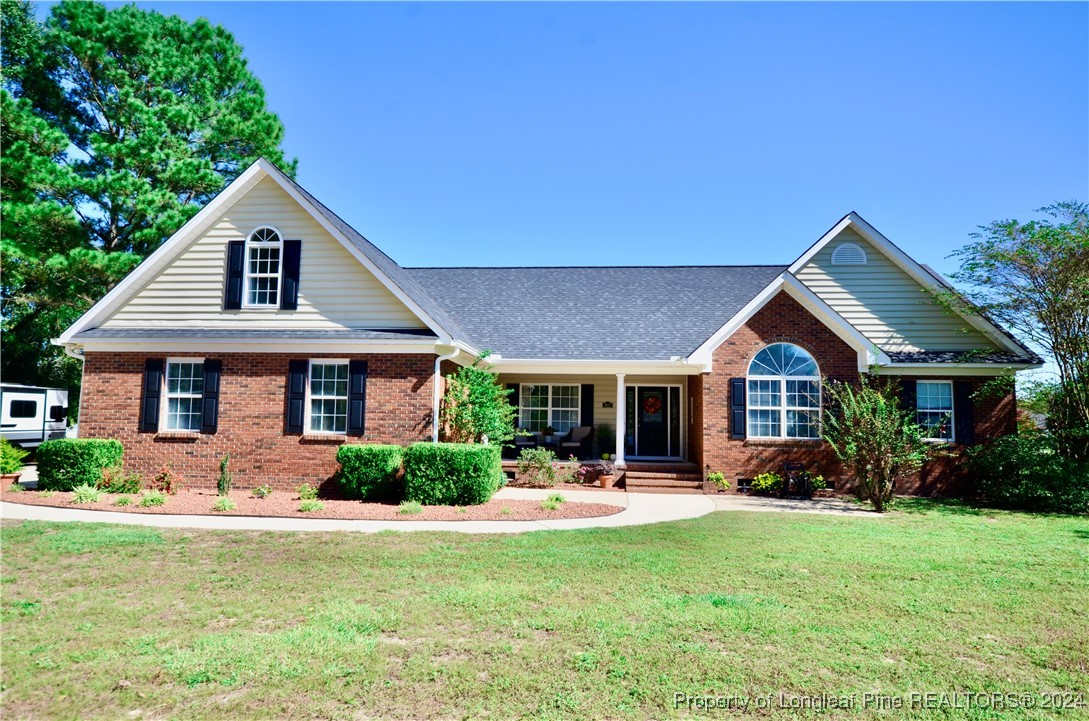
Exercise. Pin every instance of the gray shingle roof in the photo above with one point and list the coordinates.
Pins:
(257, 334)
(960, 356)
(594, 313)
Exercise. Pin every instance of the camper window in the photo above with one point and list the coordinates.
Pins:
(24, 409)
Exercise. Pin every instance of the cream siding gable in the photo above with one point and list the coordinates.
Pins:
(335, 290)
(886, 304)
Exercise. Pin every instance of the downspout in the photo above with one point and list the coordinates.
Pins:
(435, 403)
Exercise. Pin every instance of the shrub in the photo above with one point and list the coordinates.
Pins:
(571, 471)
(11, 457)
(167, 481)
(123, 501)
(223, 503)
(115, 480)
(452, 473)
(475, 408)
(15, 487)
(153, 498)
(719, 480)
(557, 498)
(370, 472)
(262, 491)
(767, 483)
(307, 492)
(65, 463)
(310, 506)
(536, 467)
(549, 505)
(1029, 472)
(819, 484)
(223, 483)
(86, 493)
(411, 508)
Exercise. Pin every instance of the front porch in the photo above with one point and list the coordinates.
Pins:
(644, 477)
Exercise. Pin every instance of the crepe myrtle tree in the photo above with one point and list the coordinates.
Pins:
(879, 441)
(475, 408)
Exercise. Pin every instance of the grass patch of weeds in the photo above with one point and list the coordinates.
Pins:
(307, 492)
(86, 494)
(504, 511)
(311, 506)
(123, 501)
(410, 508)
(153, 498)
(556, 498)
(16, 487)
(223, 503)
(47, 494)
(550, 505)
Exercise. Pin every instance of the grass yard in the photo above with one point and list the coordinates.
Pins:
(127, 622)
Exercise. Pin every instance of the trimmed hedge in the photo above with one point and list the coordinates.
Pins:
(65, 463)
(370, 472)
(452, 474)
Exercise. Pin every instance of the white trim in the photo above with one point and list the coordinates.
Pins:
(200, 222)
(164, 413)
(682, 441)
(783, 408)
(549, 407)
(310, 431)
(247, 276)
(906, 263)
(621, 420)
(950, 369)
(952, 410)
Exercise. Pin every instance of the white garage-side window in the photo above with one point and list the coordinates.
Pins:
(934, 409)
(784, 393)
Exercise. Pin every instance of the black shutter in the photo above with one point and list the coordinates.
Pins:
(357, 397)
(209, 407)
(236, 263)
(964, 430)
(289, 291)
(296, 395)
(907, 397)
(587, 410)
(150, 399)
(737, 408)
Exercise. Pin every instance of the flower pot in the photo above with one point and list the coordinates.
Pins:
(606, 481)
(8, 478)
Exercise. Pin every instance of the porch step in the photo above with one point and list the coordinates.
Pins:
(642, 481)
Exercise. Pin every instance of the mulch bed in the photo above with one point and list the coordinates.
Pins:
(285, 504)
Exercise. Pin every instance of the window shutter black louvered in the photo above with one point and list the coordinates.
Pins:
(152, 393)
(964, 430)
(236, 262)
(289, 294)
(357, 397)
(296, 395)
(587, 410)
(737, 408)
(209, 407)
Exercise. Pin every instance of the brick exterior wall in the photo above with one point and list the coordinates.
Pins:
(251, 417)
(784, 320)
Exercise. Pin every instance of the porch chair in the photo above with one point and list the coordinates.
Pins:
(578, 442)
(514, 450)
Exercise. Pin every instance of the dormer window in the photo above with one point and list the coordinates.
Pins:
(263, 267)
(848, 254)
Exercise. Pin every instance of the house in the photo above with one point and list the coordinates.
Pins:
(269, 329)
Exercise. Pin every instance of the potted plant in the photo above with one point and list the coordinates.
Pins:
(549, 432)
(606, 473)
(11, 462)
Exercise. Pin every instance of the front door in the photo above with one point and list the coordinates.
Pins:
(653, 430)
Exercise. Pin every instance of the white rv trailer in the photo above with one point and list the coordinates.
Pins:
(31, 414)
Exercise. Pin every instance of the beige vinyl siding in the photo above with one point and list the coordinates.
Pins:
(886, 304)
(335, 290)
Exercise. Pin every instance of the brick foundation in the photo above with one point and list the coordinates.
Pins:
(251, 417)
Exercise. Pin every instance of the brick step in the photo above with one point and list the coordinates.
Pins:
(635, 481)
(670, 476)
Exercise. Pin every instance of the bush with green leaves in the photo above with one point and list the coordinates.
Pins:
(307, 492)
(123, 501)
(767, 483)
(153, 498)
(718, 480)
(475, 407)
(11, 457)
(311, 506)
(86, 493)
(452, 474)
(223, 483)
(262, 491)
(65, 463)
(410, 508)
(1029, 472)
(223, 503)
(537, 467)
(116, 480)
(371, 472)
(550, 505)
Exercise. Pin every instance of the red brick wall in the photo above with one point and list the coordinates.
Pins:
(251, 417)
(784, 320)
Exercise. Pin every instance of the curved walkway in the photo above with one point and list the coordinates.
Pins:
(640, 508)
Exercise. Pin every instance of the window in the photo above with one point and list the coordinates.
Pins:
(263, 268)
(184, 392)
(784, 393)
(934, 409)
(24, 409)
(848, 254)
(328, 397)
(546, 405)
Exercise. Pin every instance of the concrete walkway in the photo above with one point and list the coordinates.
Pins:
(827, 506)
(640, 509)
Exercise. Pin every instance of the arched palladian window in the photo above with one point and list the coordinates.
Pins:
(784, 398)
(263, 268)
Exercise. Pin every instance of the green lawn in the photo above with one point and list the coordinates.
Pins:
(100, 621)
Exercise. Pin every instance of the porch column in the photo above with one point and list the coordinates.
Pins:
(621, 419)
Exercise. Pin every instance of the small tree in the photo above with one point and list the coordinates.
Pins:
(475, 407)
(874, 437)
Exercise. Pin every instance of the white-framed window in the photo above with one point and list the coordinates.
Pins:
(183, 391)
(934, 409)
(784, 393)
(327, 397)
(263, 265)
(543, 405)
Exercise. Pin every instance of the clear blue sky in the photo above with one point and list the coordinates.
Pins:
(545, 134)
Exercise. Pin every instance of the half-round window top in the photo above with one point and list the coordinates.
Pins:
(265, 235)
(783, 360)
(848, 254)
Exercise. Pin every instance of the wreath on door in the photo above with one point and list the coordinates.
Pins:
(652, 405)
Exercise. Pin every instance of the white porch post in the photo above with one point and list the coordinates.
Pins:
(621, 419)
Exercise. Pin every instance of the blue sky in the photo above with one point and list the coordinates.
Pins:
(555, 134)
